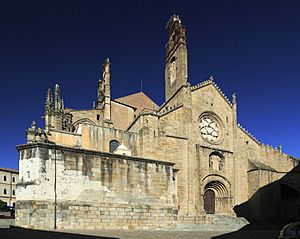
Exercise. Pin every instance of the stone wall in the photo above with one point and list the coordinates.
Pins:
(70, 215)
(91, 115)
(273, 197)
(98, 138)
(121, 115)
(86, 189)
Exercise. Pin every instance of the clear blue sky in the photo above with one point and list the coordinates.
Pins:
(250, 47)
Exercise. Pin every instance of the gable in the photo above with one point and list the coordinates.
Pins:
(139, 100)
(211, 92)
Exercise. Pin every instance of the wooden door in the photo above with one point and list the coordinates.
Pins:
(209, 201)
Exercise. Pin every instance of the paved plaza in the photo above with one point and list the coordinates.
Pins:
(187, 234)
(16, 233)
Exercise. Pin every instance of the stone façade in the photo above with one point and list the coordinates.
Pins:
(128, 163)
(79, 188)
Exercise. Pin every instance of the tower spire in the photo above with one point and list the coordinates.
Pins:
(176, 69)
(234, 99)
(106, 82)
(103, 88)
(103, 92)
(48, 109)
(57, 99)
(49, 102)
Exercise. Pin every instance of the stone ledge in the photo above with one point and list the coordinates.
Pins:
(91, 152)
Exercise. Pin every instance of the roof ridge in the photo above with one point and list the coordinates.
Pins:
(132, 94)
(9, 170)
(261, 165)
(249, 134)
(136, 94)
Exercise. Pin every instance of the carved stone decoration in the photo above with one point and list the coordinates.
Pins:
(101, 96)
(216, 162)
(35, 134)
(222, 164)
(67, 122)
(211, 128)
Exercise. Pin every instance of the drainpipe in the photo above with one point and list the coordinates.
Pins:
(10, 185)
(55, 194)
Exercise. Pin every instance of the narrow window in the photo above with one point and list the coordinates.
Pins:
(5, 191)
(13, 192)
(98, 117)
(4, 178)
(14, 204)
(113, 145)
(13, 179)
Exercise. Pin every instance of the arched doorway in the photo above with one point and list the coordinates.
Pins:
(209, 201)
(216, 198)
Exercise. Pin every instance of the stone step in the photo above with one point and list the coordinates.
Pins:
(211, 222)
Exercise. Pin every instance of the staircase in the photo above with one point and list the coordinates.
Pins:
(210, 222)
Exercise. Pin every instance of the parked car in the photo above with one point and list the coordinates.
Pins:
(9, 209)
(290, 231)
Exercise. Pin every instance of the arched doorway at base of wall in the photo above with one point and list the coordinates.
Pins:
(216, 198)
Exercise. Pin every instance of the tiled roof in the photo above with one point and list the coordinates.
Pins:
(139, 101)
(9, 170)
(259, 165)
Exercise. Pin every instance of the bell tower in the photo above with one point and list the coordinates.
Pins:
(176, 72)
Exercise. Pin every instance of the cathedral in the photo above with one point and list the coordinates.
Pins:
(128, 163)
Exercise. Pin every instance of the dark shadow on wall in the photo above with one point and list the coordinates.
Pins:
(18, 233)
(270, 208)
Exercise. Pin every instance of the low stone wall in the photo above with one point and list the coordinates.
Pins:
(70, 215)
(196, 219)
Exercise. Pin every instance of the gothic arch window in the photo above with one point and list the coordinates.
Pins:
(13, 192)
(113, 145)
(216, 161)
(4, 178)
(13, 179)
(4, 191)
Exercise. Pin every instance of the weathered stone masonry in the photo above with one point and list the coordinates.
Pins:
(75, 188)
(99, 169)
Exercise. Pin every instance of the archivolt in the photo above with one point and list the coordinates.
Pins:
(218, 187)
(207, 177)
(84, 120)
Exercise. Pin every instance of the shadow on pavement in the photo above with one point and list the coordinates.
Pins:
(17, 233)
(254, 231)
(270, 208)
